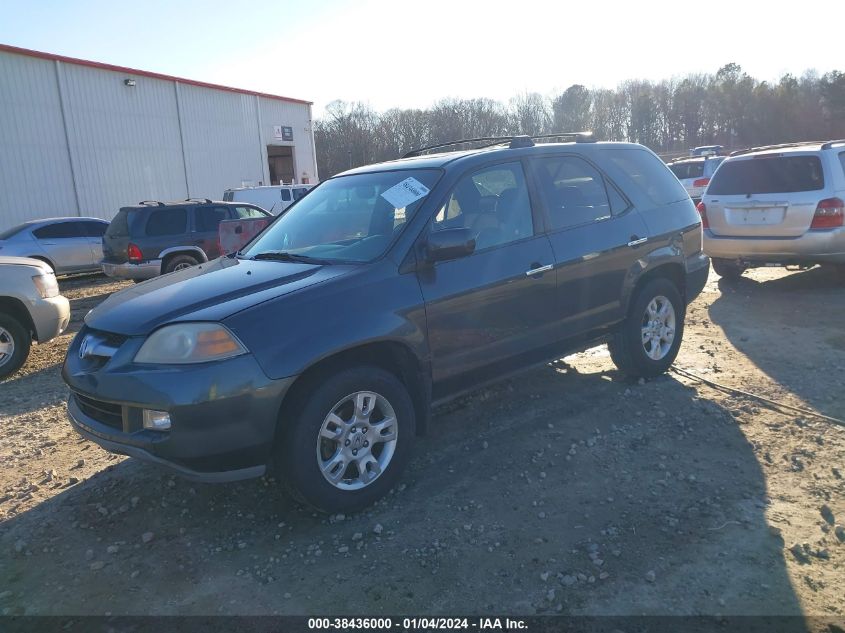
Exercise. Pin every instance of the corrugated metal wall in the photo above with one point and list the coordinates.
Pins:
(75, 140)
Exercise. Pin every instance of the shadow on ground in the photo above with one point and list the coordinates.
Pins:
(557, 492)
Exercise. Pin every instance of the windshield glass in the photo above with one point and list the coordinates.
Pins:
(5, 235)
(349, 218)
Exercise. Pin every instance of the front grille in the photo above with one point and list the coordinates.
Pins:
(110, 338)
(103, 412)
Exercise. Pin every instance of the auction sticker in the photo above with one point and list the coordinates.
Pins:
(406, 192)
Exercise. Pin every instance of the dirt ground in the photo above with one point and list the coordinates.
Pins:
(566, 490)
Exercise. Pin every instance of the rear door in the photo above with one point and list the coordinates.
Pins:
(65, 245)
(595, 233)
(95, 231)
(206, 223)
(768, 195)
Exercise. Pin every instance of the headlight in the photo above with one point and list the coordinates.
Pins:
(189, 343)
(47, 285)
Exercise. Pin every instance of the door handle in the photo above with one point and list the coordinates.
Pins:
(636, 241)
(539, 271)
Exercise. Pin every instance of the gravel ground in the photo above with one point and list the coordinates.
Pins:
(566, 490)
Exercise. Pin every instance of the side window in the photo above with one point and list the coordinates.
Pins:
(244, 213)
(842, 161)
(286, 195)
(573, 190)
(167, 222)
(94, 229)
(206, 219)
(648, 174)
(493, 202)
(59, 230)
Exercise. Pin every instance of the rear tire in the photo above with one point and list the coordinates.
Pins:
(15, 343)
(727, 268)
(179, 262)
(648, 341)
(349, 411)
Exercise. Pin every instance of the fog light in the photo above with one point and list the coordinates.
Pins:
(156, 420)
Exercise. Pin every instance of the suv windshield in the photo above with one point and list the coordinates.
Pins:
(768, 174)
(349, 218)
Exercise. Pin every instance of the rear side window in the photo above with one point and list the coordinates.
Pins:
(94, 229)
(60, 230)
(648, 174)
(768, 174)
(688, 170)
(167, 222)
(573, 191)
(206, 219)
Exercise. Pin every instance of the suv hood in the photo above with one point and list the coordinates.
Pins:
(208, 292)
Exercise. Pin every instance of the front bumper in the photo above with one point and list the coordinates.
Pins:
(128, 270)
(50, 317)
(223, 414)
(814, 246)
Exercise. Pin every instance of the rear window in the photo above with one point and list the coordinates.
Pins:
(119, 226)
(286, 195)
(768, 174)
(648, 174)
(688, 170)
(167, 222)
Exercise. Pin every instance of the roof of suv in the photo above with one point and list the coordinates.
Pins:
(440, 160)
(802, 146)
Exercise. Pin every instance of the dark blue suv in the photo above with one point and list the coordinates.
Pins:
(319, 349)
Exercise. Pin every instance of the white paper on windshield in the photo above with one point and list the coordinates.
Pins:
(406, 192)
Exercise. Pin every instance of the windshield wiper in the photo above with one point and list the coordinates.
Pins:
(283, 256)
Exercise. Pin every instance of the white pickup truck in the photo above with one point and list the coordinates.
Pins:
(31, 309)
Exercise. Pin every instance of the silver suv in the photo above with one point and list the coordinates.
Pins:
(776, 205)
(31, 308)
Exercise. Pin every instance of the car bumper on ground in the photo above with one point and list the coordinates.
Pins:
(50, 317)
(128, 270)
(223, 414)
(821, 246)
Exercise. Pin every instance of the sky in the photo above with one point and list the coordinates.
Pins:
(390, 53)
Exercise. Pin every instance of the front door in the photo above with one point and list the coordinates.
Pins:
(498, 302)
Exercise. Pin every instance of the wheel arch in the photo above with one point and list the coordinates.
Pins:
(392, 356)
(169, 253)
(671, 270)
(17, 310)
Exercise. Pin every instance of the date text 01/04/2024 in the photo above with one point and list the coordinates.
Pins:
(421, 623)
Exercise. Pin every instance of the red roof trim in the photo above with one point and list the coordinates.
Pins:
(142, 73)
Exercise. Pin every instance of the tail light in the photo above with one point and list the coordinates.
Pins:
(702, 211)
(701, 182)
(134, 253)
(830, 213)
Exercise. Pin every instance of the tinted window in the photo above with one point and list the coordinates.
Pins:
(647, 174)
(688, 170)
(167, 222)
(94, 229)
(60, 230)
(493, 202)
(298, 193)
(286, 195)
(573, 191)
(767, 174)
(206, 219)
(5, 235)
(249, 212)
(119, 226)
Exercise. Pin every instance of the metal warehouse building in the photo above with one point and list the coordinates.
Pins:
(84, 138)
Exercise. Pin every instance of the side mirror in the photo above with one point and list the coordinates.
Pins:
(449, 244)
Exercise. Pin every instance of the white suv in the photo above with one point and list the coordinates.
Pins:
(695, 172)
(776, 205)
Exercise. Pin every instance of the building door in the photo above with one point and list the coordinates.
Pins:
(280, 160)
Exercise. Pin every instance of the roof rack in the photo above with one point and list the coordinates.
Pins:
(830, 144)
(200, 200)
(748, 150)
(151, 203)
(514, 141)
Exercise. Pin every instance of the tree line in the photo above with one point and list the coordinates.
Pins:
(728, 108)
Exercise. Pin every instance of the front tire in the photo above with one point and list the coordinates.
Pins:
(648, 341)
(728, 268)
(347, 444)
(15, 342)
